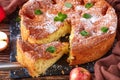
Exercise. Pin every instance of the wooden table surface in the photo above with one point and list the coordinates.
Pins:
(4, 57)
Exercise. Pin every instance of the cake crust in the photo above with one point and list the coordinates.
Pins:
(90, 20)
(91, 50)
(41, 28)
(88, 48)
(36, 59)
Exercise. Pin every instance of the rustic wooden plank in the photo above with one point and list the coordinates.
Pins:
(4, 58)
(4, 55)
(39, 78)
(6, 51)
(65, 77)
(5, 28)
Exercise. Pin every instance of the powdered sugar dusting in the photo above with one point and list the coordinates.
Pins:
(94, 19)
(31, 0)
(48, 25)
(34, 0)
(112, 29)
(79, 8)
(75, 17)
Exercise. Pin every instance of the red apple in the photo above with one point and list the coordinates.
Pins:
(2, 14)
(3, 41)
(80, 73)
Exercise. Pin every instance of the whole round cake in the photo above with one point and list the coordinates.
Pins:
(91, 23)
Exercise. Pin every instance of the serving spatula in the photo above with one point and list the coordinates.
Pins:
(9, 66)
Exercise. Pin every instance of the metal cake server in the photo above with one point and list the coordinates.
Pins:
(10, 66)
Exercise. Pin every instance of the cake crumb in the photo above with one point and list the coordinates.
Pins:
(62, 72)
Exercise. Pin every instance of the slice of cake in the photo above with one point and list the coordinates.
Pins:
(93, 31)
(38, 58)
(38, 23)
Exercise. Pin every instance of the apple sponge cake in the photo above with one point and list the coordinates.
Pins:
(38, 58)
(93, 31)
(38, 25)
(91, 23)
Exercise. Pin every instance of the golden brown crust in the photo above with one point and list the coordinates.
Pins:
(41, 28)
(35, 58)
(92, 50)
(85, 49)
(36, 51)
